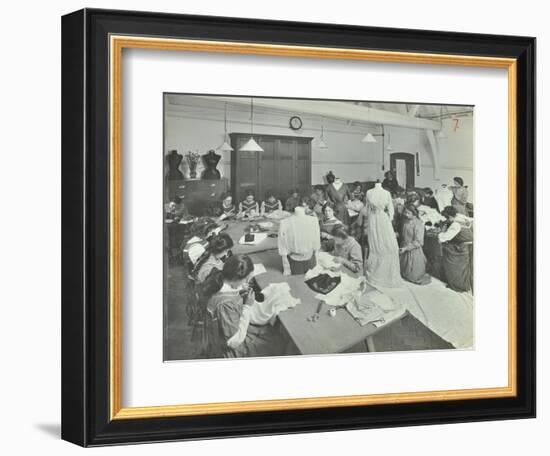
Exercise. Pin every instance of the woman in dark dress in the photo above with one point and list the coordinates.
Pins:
(411, 255)
(457, 246)
(338, 194)
(460, 196)
(390, 182)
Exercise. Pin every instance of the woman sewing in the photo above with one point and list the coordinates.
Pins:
(226, 307)
(457, 246)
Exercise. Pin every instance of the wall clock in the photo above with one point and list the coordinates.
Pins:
(295, 123)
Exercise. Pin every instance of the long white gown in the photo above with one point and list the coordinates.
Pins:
(383, 262)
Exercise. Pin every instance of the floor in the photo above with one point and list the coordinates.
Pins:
(404, 335)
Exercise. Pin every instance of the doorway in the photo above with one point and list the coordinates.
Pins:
(402, 166)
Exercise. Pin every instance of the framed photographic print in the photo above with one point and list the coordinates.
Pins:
(277, 227)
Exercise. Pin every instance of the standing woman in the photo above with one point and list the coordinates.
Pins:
(460, 196)
(411, 255)
(338, 194)
(457, 245)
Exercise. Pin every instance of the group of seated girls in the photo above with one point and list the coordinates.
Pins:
(225, 288)
(249, 207)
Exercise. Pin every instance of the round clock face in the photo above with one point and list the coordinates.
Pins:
(295, 123)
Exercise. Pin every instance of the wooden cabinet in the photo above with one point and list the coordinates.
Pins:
(284, 164)
(197, 194)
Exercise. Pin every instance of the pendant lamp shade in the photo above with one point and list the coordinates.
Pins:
(322, 144)
(369, 138)
(225, 147)
(251, 145)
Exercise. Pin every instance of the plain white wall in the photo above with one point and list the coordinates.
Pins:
(30, 249)
(199, 126)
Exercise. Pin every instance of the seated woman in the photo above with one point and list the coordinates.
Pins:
(320, 200)
(248, 208)
(217, 251)
(457, 243)
(202, 231)
(176, 209)
(292, 201)
(270, 204)
(411, 255)
(347, 250)
(356, 202)
(299, 240)
(309, 205)
(429, 199)
(329, 221)
(228, 209)
(460, 196)
(358, 193)
(228, 305)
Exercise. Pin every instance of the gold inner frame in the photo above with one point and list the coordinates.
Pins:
(117, 44)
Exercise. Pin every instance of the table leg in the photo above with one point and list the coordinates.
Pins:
(369, 341)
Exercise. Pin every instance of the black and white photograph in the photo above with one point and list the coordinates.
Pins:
(315, 227)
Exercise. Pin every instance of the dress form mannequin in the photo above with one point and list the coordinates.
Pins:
(383, 267)
(210, 161)
(173, 160)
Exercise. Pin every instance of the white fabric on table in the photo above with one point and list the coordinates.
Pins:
(277, 299)
(447, 313)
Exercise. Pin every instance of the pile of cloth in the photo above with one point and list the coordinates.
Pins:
(339, 289)
(429, 214)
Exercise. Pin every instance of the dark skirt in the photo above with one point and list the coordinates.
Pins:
(301, 267)
(457, 266)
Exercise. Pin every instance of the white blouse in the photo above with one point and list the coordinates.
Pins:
(452, 231)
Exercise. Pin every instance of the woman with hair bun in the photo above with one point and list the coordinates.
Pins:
(457, 246)
(232, 301)
(217, 251)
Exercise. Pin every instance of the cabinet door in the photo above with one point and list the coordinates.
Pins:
(246, 171)
(303, 166)
(267, 169)
(286, 152)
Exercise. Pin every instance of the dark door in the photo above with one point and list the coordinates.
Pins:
(402, 165)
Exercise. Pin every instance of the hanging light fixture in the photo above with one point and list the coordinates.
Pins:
(251, 145)
(440, 134)
(225, 147)
(369, 138)
(322, 144)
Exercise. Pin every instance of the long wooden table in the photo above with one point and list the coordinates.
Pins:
(328, 334)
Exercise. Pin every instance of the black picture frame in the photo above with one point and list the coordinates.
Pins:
(85, 227)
